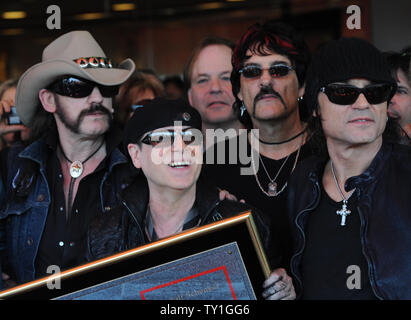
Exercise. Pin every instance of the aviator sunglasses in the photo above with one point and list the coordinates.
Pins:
(79, 88)
(167, 137)
(345, 94)
(276, 71)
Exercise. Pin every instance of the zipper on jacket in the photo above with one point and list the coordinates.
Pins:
(370, 265)
(132, 215)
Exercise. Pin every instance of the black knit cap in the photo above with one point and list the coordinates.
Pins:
(344, 59)
(159, 113)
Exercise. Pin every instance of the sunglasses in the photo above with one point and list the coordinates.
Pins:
(167, 138)
(80, 88)
(345, 94)
(276, 71)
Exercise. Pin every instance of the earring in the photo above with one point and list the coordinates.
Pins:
(299, 99)
(242, 109)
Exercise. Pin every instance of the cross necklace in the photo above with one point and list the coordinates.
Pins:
(343, 212)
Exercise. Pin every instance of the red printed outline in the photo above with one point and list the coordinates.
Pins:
(191, 277)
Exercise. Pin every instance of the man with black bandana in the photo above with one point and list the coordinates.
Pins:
(72, 171)
(268, 75)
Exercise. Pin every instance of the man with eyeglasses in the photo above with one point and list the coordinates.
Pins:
(350, 205)
(269, 63)
(72, 171)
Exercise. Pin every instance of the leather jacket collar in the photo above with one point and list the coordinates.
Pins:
(136, 196)
(38, 151)
(361, 180)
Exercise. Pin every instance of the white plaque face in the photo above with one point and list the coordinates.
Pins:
(218, 273)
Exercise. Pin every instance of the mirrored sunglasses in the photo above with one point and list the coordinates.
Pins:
(276, 71)
(79, 88)
(344, 94)
(167, 138)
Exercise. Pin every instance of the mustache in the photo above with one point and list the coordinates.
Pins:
(267, 89)
(97, 107)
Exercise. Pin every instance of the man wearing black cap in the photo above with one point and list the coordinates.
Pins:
(350, 209)
(164, 140)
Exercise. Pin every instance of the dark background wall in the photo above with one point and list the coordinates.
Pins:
(161, 34)
(391, 24)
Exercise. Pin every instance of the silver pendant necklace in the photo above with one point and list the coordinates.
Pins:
(343, 212)
(272, 185)
(77, 166)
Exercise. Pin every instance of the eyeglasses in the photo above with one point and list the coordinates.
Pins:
(345, 94)
(80, 88)
(276, 71)
(167, 138)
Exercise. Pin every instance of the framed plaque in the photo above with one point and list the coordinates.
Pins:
(224, 260)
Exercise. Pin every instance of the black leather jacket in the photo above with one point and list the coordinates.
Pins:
(384, 206)
(123, 228)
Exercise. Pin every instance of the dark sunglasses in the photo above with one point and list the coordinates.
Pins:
(276, 71)
(167, 138)
(80, 88)
(345, 94)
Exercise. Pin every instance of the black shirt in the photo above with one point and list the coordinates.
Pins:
(228, 176)
(64, 241)
(330, 251)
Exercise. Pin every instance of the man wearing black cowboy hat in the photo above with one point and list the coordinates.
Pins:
(57, 184)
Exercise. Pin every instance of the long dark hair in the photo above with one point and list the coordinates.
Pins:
(264, 39)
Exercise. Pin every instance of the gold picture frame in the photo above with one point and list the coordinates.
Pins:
(239, 230)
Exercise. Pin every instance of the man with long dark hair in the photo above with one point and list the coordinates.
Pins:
(268, 77)
(350, 208)
(57, 184)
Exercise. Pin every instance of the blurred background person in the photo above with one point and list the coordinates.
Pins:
(10, 132)
(400, 105)
(139, 87)
(174, 87)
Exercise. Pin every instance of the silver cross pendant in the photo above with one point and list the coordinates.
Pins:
(344, 212)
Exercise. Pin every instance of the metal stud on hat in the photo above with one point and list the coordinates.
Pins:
(186, 116)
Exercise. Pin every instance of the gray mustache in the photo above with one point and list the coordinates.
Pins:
(94, 108)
